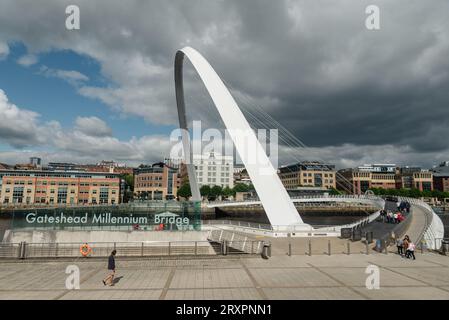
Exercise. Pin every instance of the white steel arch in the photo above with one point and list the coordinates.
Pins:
(277, 204)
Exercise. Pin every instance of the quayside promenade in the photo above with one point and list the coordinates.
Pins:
(338, 276)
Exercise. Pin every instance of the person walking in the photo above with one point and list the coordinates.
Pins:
(399, 244)
(390, 217)
(395, 218)
(405, 244)
(411, 250)
(109, 280)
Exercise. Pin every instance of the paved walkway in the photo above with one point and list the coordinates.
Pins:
(418, 224)
(280, 277)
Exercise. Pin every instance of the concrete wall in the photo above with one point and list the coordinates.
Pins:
(49, 236)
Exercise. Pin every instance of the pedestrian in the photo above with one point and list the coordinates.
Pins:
(399, 244)
(395, 218)
(411, 250)
(405, 244)
(109, 280)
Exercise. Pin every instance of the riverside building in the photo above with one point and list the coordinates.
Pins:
(359, 180)
(156, 182)
(308, 174)
(212, 169)
(59, 187)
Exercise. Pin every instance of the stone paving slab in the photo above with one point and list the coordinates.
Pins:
(357, 277)
(289, 262)
(30, 294)
(210, 278)
(112, 294)
(436, 276)
(405, 293)
(394, 260)
(280, 277)
(336, 293)
(214, 294)
(293, 277)
(131, 279)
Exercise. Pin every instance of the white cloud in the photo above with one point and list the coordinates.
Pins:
(18, 127)
(89, 140)
(27, 60)
(92, 126)
(73, 77)
(4, 50)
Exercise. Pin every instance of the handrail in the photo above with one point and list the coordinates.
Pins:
(433, 232)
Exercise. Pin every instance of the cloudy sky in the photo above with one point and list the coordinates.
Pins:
(106, 91)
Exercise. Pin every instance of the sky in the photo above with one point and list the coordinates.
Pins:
(106, 91)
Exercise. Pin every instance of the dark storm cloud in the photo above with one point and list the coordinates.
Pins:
(312, 65)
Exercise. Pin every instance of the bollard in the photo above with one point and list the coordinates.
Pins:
(141, 250)
(224, 248)
(310, 247)
(196, 247)
(22, 250)
(266, 250)
(169, 248)
(329, 247)
(348, 244)
(289, 249)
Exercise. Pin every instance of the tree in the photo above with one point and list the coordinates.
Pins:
(240, 187)
(414, 193)
(205, 191)
(129, 179)
(334, 192)
(185, 191)
(216, 191)
(227, 192)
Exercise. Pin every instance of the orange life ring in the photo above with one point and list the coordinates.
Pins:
(85, 250)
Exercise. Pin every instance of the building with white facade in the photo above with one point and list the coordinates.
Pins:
(213, 169)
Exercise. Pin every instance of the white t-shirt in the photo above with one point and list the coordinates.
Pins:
(411, 246)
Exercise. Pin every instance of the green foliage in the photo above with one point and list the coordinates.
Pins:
(227, 192)
(334, 192)
(411, 193)
(240, 187)
(129, 180)
(216, 191)
(185, 191)
(205, 191)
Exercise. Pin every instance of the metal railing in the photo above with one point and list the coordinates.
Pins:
(236, 242)
(26, 250)
(309, 197)
(433, 232)
(292, 228)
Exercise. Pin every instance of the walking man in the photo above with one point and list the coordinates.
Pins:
(109, 280)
